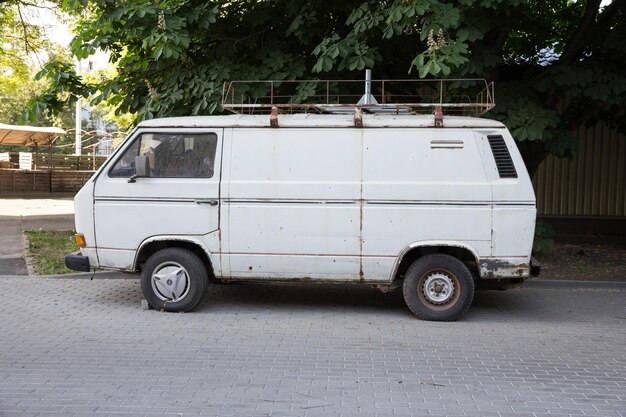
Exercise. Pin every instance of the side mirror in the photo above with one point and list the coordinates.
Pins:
(142, 168)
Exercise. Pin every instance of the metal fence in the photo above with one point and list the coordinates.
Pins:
(591, 184)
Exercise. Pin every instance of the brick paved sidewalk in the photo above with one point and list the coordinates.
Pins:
(79, 347)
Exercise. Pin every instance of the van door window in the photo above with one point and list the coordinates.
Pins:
(125, 167)
(171, 155)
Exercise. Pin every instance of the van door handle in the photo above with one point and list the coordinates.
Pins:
(210, 202)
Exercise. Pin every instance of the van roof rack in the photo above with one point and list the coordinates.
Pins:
(467, 97)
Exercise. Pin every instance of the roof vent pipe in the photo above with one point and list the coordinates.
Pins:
(368, 86)
(368, 98)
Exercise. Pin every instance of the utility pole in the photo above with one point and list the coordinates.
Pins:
(78, 149)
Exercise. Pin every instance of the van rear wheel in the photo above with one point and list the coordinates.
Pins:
(174, 279)
(438, 287)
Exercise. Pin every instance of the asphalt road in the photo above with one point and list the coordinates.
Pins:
(77, 347)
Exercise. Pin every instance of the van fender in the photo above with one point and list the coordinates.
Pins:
(436, 243)
(173, 238)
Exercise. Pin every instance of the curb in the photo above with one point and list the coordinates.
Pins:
(558, 284)
(80, 275)
(93, 275)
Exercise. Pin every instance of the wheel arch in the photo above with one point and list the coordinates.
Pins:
(414, 251)
(152, 245)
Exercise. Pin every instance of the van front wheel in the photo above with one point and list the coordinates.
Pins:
(438, 287)
(174, 279)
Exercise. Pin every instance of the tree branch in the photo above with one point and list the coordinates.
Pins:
(577, 41)
(26, 3)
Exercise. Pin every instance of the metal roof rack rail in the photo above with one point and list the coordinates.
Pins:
(469, 97)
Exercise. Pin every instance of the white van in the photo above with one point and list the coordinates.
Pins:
(395, 202)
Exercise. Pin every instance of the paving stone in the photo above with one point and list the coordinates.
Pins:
(79, 347)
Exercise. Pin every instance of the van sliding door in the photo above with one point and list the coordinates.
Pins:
(292, 203)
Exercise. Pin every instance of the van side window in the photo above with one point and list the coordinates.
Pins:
(172, 155)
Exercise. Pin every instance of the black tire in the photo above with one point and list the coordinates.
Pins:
(438, 287)
(174, 279)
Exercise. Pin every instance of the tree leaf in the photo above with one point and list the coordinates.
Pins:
(424, 69)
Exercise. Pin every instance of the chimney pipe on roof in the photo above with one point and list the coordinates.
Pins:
(368, 86)
(368, 98)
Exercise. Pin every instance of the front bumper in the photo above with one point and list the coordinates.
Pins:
(77, 262)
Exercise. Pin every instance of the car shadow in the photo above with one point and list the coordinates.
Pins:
(524, 305)
(300, 296)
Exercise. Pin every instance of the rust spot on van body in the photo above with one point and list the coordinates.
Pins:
(358, 117)
(497, 268)
(274, 117)
(438, 117)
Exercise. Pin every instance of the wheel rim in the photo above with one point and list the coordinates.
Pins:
(439, 289)
(170, 281)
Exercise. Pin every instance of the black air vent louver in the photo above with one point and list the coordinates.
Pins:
(501, 154)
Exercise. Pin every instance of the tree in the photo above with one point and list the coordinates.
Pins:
(18, 39)
(557, 63)
(16, 87)
(23, 50)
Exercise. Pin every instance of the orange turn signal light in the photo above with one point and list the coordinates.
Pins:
(80, 240)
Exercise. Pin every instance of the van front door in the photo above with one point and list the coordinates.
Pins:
(178, 200)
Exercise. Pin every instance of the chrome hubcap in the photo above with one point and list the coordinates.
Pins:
(438, 288)
(170, 281)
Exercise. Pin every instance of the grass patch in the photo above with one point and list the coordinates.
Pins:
(47, 249)
(583, 268)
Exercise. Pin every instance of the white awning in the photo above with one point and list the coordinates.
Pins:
(28, 135)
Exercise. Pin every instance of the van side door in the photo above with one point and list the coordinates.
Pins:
(291, 203)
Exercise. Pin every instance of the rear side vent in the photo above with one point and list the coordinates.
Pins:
(501, 154)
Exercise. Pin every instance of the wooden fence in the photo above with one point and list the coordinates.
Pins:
(56, 162)
(49, 172)
(15, 180)
(68, 162)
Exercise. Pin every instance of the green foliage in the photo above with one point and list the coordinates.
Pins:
(18, 38)
(23, 47)
(554, 68)
(16, 88)
(544, 242)
(16, 84)
(64, 87)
